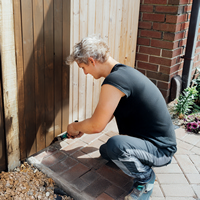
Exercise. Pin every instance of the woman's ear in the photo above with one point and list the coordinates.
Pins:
(91, 60)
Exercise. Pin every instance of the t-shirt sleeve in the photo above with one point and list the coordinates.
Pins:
(120, 82)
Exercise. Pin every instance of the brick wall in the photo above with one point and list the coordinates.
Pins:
(162, 36)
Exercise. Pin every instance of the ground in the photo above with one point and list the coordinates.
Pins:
(26, 183)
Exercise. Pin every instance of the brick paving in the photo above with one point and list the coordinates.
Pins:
(76, 166)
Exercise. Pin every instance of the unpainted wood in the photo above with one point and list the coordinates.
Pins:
(3, 156)
(9, 79)
(76, 38)
(89, 79)
(82, 77)
(116, 21)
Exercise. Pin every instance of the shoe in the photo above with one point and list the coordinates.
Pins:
(142, 191)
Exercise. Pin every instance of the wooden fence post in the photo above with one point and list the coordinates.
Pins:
(9, 79)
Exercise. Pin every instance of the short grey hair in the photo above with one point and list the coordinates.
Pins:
(92, 46)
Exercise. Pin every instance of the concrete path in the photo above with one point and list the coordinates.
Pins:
(76, 166)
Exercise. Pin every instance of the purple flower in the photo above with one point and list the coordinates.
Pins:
(194, 125)
(189, 126)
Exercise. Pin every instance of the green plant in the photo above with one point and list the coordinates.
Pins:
(186, 101)
(197, 83)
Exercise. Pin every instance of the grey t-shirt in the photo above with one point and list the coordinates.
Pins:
(142, 112)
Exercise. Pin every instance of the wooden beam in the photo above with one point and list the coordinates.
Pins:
(9, 79)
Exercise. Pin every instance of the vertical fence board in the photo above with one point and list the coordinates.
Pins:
(133, 44)
(9, 78)
(20, 76)
(98, 31)
(49, 70)
(29, 71)
(76, 13)
(89, 80)
(82, 77)
(58, 42)
(65, 69)
(3, 164)
(39, 72)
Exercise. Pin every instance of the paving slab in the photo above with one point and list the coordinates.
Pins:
(77, 167)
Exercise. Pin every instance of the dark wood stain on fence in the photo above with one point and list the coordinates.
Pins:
(42, 35)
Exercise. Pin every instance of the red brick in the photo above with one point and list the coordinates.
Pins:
(182, 42)
(150, 50)
(104, 196)
(176, 18)
(158, 76)
(162, 44)
(165, 94)
(150, 34)
(174, 2)
(166, 27)
(155, 1)
(188, 8)
(75, 172)
(146, 25)
(143, 41)
(176, 67)
(142, 57)
(142, 71)
(160, 61)
(147, 66)
(189, 16)
(197, 64)
(153, 17)
(163, 85)
(171, 54)
(177, 2)
(164, 70)
(197, 50)
(146, 8)
(154, 81)
(174, 36)
(184, 1)
(185, 25)
(167, 9)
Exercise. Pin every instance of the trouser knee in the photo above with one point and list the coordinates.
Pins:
(114, 147)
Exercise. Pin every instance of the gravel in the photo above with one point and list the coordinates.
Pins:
(27, 182)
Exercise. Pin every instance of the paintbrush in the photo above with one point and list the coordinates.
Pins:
(61, 137)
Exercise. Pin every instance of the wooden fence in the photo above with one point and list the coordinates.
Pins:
(42, 30)
(117, 22)
(49, 93)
